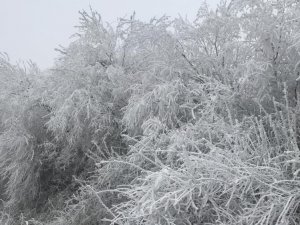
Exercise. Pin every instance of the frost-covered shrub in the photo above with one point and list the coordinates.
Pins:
(165, 122)
(16, 144)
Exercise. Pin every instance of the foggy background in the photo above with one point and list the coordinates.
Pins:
(31, 29)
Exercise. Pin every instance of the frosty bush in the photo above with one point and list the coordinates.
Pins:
(159, 122)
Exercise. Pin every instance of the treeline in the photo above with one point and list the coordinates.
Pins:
(164, 122)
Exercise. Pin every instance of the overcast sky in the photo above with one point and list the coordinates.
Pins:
(31, 29)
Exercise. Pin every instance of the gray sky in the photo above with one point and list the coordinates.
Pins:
(31, 29)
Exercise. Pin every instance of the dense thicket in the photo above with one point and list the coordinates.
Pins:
(164, 122)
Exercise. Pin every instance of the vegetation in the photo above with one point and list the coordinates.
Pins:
(164, 122)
